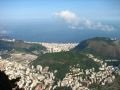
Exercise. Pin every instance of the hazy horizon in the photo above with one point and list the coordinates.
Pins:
(59, 21)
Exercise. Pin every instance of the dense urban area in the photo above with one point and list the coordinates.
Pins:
(35, 74)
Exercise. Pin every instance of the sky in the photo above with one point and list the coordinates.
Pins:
(39, 9)
(80, 15)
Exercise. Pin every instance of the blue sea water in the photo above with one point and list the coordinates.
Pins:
(54, 32)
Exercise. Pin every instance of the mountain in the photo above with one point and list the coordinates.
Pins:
(100, 46)
(61, 61)
(21, 46)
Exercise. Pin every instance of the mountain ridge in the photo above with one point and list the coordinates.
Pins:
(102, 46)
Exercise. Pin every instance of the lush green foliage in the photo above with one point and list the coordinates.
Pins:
(62, 60)
(63, 88)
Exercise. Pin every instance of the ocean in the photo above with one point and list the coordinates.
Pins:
(53, 32)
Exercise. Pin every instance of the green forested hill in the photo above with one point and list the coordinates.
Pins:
(100, 46)
(61, 61)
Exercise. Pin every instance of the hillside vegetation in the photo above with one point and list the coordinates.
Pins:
(100, 46)
(104, 48)
(61, 61)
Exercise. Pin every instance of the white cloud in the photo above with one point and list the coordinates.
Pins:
(95, 25)
(68, 16)
(75, 22)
